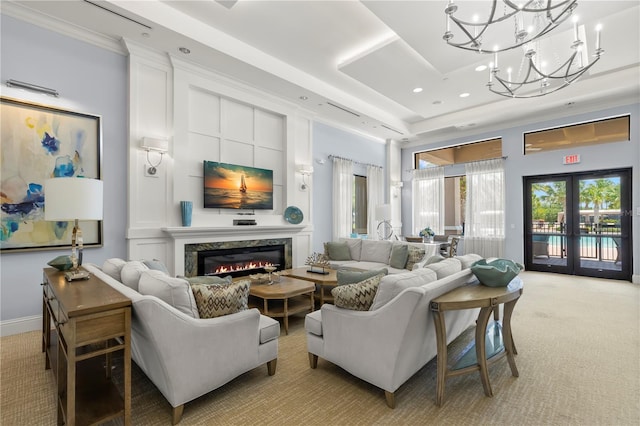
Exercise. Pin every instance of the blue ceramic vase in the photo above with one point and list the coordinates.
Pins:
(186, 208)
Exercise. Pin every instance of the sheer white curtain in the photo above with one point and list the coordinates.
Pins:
(428, 199)
(484, 217)
(375, 197)
(342, 198)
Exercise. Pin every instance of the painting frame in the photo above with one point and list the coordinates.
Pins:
(38, 142)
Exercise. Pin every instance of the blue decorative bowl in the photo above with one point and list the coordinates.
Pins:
(61, 263)
(497, 273)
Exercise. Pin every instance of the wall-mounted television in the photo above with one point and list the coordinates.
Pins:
(229, 186)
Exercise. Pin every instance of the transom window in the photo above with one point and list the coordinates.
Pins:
(592, 133)
(474, 151)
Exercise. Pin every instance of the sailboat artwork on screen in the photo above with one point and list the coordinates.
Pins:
(231, 186)
(243, 185)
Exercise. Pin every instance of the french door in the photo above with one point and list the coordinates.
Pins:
(579, 223)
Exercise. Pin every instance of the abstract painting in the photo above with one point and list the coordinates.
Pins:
(39, 142)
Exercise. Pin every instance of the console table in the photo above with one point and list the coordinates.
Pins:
(91, 321)
(488, 300)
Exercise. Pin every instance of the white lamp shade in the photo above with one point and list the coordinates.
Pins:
(383, 212)
(72, 198)
(155, 144)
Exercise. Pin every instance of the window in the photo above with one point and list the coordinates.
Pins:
(592, 133)
(455, 193)
(359, 225)
(474, 151)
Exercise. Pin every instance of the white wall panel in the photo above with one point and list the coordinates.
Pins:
(237, 121)
(201, 148)
(204, 112)
(273, 160)
(234, 152)
(150, 115)
(269, 130)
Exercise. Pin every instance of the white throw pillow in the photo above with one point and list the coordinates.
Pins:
(113, 267)
(468, 259)
(355, 246)
(130, 273)
(175, 291)
(392, 285)
(446, 267)
(375, 251)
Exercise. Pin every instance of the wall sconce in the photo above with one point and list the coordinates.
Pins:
(305, 171)
(34, 87)
(154, 144)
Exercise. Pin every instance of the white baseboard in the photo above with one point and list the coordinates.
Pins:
(20, 325)
(635, 279)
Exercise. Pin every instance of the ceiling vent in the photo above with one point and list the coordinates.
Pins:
(343, 109)
(118, 14)
(393, 130)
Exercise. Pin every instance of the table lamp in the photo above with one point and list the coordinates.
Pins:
(73, 199)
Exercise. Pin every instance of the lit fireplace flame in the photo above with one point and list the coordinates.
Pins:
(225, 269)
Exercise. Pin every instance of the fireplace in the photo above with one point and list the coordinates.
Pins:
(240, 261)
(237, 258)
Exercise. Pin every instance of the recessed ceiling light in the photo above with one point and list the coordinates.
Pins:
(417, 90)
(464, 95)
(184, 50)
(481, 68)
(436, 102)
(145, 35)
(304, 98)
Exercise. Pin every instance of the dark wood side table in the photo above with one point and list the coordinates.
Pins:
(488, 300)
(91, 322)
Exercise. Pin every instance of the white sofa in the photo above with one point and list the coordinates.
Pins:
(186, 357)
(389, 343)
(376, 254)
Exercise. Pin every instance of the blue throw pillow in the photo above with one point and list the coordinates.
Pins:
(156, 265)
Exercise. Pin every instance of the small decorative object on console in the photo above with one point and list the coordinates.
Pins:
(318, 263)
(61, 263)
(497, 273)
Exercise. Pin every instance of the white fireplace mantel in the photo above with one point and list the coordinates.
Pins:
(181, 232)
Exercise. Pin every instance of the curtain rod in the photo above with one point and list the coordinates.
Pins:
(354, 161)
(457, 164)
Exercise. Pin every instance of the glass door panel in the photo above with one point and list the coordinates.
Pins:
(602, 225)
(547, 245)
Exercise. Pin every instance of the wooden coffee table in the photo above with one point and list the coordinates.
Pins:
(321, 280)
(282, 299)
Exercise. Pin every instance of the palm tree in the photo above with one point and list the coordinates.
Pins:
(597, 193)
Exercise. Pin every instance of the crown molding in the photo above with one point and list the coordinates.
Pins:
(26, 14)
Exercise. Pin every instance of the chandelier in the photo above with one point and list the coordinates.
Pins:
(528, 20)
(533, 79)
(522, 25)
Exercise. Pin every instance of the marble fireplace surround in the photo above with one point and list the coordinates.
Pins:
(192, 236)
(191, 251)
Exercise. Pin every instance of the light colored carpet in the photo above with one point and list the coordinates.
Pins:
(578, 356)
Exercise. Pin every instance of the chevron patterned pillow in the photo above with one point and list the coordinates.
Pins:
(218, 300)
(358, 296)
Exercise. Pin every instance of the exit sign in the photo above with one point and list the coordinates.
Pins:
(571, 159)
